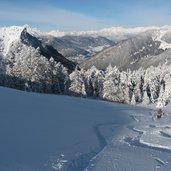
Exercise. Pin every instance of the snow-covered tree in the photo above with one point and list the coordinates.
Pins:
(162, 99)
(63, 78)
(133, 102)
(2, 66)
(165, 90)
(77, 87)
(124, 86)
(112, 86)
(26, 65)
(94, 82)
(54, 81)
(146, 99)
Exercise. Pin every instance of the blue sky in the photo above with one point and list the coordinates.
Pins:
(76, 15)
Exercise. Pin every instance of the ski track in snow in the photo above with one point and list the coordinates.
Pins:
(102, 137)
(158, 141)
(41, 128)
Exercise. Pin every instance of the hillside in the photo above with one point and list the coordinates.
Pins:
(149, 48)
(50, 132)
(77, 47)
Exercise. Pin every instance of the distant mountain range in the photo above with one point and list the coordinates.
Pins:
(133, 47)
(77, 47)
(149, 48)
(72, 47)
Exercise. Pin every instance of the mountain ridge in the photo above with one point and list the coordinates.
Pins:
(129, 54)
(16, 40)
(70, 46)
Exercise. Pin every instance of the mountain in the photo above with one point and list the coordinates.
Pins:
(28, 62)
(150, 48)
(77, 47)
(72, 47)
(16, 41)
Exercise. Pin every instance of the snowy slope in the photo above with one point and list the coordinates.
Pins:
(159, 34)
(49, 132)
(145, 144)
(9, 35)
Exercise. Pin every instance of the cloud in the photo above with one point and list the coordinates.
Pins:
(59, 18)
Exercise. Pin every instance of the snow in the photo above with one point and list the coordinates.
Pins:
(144, 144)
(57, 33)
(134, 61)
(93, 50)
(36, 129)
(158, 37)
(9, 35)
(106, 31)
(97, 49)
(54, 132)
(157, 137)
(59, 164)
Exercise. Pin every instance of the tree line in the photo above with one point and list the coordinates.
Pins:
(38, 74)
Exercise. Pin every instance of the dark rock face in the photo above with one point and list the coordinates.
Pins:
(45, 50)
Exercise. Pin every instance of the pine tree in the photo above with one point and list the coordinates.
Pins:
(112, 86)
(77, 87)
(54, 78)
(161, 100)
(146, 99)
(133, 102)
(93, 82)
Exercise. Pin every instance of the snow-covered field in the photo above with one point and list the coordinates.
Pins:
(143, 144)
(53, 132)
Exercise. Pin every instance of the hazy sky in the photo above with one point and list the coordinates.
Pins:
(74, 15)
